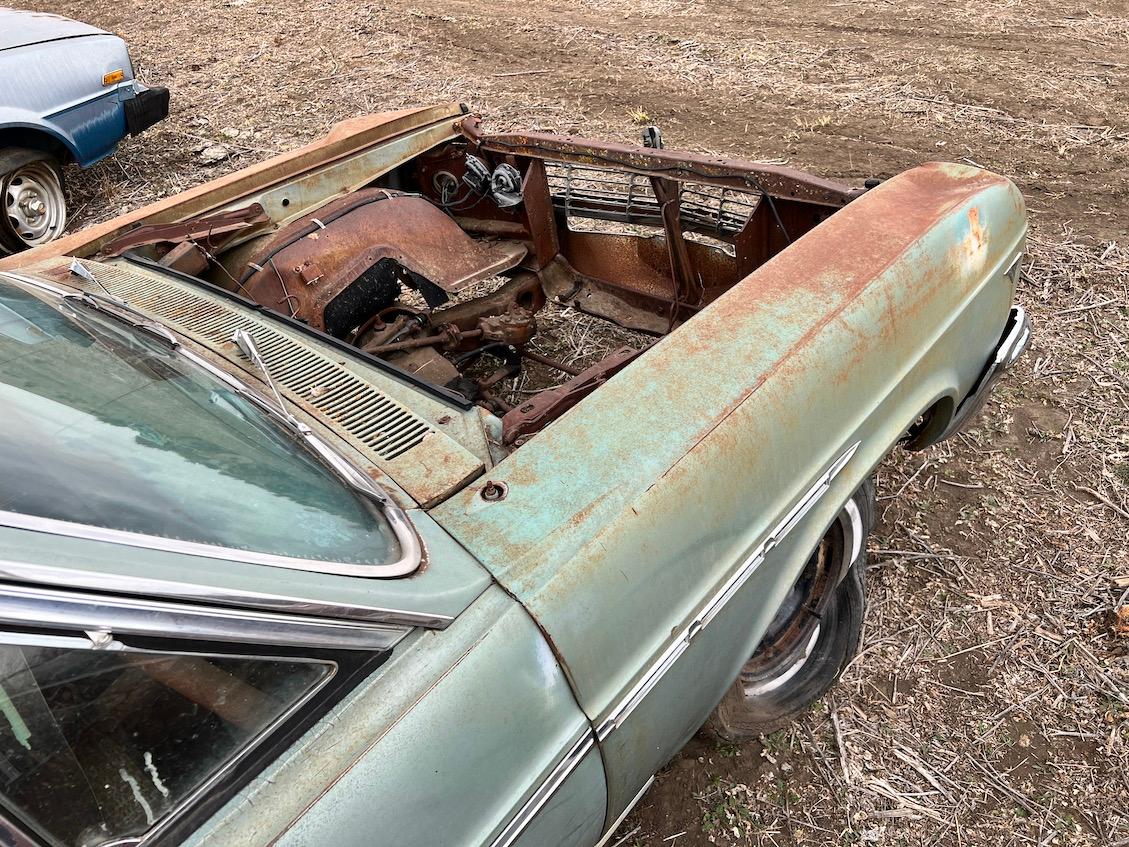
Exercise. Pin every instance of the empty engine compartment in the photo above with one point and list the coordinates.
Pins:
(459, 265)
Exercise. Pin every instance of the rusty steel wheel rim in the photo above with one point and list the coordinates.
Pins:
(790, 642)
(35, 210)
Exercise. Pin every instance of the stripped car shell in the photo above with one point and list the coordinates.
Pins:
(602, 559)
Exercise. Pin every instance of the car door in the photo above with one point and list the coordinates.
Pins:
(126, 720)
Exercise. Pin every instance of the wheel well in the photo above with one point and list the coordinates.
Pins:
(35, 139)
(930, 424)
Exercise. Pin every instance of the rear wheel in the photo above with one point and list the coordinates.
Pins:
(34, 208)
(814, 635)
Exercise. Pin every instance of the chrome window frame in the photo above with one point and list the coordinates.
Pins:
(411, 549)
(70, 577)
(32, 606)
(113, 608)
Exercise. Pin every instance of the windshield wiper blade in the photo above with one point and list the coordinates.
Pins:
(246, 344)
(115, 306)
(344, 468)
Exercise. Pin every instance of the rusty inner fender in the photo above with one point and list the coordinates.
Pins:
(334, 267)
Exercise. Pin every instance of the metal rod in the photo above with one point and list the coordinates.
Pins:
(550, 363)
(429, 341)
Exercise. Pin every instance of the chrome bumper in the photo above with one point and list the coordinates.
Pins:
(1013, 343)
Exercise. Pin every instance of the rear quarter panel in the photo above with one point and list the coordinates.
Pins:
(629, 511)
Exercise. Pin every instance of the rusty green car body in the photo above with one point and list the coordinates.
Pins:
(592, 573)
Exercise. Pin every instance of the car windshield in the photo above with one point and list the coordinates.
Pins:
(106, 426)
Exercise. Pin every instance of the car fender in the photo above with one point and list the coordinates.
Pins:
(625, 517)
(21, 129)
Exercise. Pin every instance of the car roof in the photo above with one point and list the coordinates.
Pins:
(19, 28)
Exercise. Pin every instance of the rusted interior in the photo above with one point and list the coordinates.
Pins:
(442, 265)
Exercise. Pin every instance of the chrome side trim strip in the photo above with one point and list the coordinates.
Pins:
(627, 811)
(108, 616)
(545, 790)
(635, 695)
(63, 577)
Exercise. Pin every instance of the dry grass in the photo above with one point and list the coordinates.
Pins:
(989, 704)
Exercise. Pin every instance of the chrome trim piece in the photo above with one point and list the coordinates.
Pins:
(775, 682)
(104, 617)
(1014, 269)
(1017, 341)
(852, 511)
(627, 811)
(51, 526)
(545, 790)
(63, 577)
(411, 550)
(1013, 344)
(620, 711)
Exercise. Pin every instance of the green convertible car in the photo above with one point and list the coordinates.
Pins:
(314, 528)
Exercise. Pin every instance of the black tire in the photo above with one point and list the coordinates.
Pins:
(814, 636)
(33, 206)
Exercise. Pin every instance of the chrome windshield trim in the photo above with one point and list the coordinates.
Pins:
(627, 704)
(117, 616)
(545, 790)
(65, 577)
(411, 550)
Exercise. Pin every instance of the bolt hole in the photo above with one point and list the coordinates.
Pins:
(285, 201)
(492, 491)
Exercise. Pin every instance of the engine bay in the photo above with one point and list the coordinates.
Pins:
(461, 265)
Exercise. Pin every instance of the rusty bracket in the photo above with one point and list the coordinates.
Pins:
(519, 424)
(687, 287)
(203, 229)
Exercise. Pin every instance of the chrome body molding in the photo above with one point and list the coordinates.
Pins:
(545, 790)
(651, 676)
(411, 550)
(60, 576)
(102, 618)
(627, 811)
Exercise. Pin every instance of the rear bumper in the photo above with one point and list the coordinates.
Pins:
(145, 109)
(1013, 343)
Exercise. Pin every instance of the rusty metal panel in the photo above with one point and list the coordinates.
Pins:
(309, 264)
(620, 518)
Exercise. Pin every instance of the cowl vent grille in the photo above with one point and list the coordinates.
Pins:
(374, 421)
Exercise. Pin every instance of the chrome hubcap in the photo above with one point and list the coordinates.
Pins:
(34, 207)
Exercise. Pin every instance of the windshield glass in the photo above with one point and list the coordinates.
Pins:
(104, 425)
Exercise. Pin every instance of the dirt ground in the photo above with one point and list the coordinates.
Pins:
(990, 704)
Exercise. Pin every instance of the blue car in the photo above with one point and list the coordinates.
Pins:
(67, 94)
